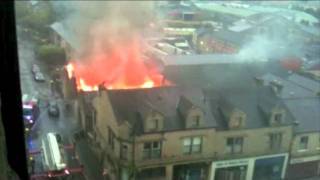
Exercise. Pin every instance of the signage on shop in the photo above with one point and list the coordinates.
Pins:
(306, 159)
(232, 163)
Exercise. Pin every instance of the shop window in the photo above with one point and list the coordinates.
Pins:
(230, 173)
(303, 145)
(192, 145)
(235, 145)
(152, 150)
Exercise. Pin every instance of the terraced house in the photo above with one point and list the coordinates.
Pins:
(301, 95)
(189, 133)
(239, 127)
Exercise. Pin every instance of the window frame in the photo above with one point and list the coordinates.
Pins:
(275, 140)
(278, 118)
(191, 148)
(124, 151)
(232, 143)
(152, 152)
(196, 121)
(305, 146)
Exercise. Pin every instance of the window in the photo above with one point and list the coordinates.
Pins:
(195, 121)
(155, 124)
(90, 118)
(192, 145)
(111, 138)
(303, 145)
(152, 150)
(278, 118)
(124, 151)
(275, 141)
(237, 122)
(235, 145)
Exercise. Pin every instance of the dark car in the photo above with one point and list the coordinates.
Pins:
(39, 77)
(53, 109)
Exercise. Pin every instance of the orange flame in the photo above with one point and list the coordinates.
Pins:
(70, 70)
(122, 69)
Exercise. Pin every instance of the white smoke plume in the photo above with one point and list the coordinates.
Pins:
(99, 24)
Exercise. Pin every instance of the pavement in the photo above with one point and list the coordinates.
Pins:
(65, 125)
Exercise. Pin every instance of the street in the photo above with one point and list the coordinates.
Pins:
(65, 124)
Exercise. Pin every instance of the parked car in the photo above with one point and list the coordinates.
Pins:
(35, 69)
(53, 109)
(39, 77)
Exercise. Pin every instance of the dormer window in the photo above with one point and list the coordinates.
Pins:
(196, 121)
(278, 118)
(154, 124)
(237, 119)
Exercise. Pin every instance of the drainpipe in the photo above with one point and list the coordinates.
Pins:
(133, 157)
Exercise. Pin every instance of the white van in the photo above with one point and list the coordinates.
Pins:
(53, 152)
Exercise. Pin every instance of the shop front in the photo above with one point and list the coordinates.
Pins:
(195, 171)
(305, 167)
(271, 167)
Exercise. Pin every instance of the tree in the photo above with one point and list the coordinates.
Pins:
(52, 54)
(37, 17)
(22, 9)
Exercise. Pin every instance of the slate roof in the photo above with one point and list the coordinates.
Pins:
(247, 100)
(130, 105)
(290, 90)
(307, 112)
(300, 97)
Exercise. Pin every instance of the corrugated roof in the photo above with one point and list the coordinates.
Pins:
(200, 59)
(242, 12)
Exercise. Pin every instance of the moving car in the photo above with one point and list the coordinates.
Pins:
(53, 109)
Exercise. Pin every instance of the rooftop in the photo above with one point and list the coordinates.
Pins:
(242, 12)
(248, 98)
(132, 105)
(306, 112)
(300, 96)
(203, 59)
(63, 29)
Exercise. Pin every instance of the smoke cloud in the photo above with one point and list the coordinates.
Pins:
(98, 25)
(111, 35)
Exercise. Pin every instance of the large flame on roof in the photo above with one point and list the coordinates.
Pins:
(121, 68)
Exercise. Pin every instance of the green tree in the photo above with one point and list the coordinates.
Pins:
(22, 9)
(52, 54)
(37, 18)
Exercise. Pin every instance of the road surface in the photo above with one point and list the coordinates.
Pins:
(65, 125)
